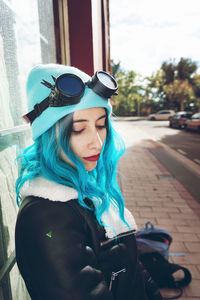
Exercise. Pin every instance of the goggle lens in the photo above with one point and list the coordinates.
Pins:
(106, 80)
(70, 86)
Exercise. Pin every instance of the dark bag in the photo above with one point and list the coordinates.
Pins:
(153, 247)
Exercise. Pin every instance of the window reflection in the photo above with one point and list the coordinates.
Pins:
(26, 39)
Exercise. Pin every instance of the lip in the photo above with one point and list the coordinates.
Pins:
(92, 158)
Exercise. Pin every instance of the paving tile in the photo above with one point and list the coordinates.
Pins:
(173, 204)
(186, 210)
(189, 258)
(192, 229)
(173, 221)
(149, 203)
(151, 215)
(193, 246)
(178, 247)
(166, 209)
(143, 221)
(195, 222)
(165, 203)
(170, 228)
(193, 289)
(144, 208)
(185, 237)
(186, 216)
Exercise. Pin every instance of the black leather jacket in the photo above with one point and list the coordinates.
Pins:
(63, 254)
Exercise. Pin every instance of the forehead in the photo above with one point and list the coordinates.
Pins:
(89, 114)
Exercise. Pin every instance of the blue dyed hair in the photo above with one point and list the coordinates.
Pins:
(43, 158)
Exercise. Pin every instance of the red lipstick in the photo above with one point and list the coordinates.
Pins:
(92, 158)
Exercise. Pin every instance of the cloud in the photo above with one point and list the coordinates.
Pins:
(145, 33)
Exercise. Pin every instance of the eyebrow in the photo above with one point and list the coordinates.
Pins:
(85, 120)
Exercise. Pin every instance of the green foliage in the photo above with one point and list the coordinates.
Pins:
(116, 68)
(186, 68)
(196, 85)
(126, 103)
(168, 72)
(174, 85)
(179, 91)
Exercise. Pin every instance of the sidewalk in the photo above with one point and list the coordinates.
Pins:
(152, 195)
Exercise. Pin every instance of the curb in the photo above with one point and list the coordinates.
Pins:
(186, 161)
(182, 191)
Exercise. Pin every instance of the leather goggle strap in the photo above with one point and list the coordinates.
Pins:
(36, 112)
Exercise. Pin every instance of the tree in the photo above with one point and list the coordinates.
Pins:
(126, 103)
(179, 91)
(168, 73)
(177, 81)
(116, 68)
(176, 85)
(155, 98)
(196, 86)
(186, 68)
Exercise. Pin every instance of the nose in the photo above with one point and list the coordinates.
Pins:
(95, 141)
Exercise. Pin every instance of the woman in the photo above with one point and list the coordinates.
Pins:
(74, 237)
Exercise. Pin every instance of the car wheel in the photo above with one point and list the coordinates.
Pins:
(152, 119)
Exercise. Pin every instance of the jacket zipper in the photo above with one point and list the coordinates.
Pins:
(112, 239)
(113, 277)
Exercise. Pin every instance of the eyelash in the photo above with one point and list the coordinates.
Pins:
(102, 126)
(79, 131)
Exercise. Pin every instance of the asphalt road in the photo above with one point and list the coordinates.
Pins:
(185, 143)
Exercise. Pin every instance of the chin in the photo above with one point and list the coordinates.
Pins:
(91, 166)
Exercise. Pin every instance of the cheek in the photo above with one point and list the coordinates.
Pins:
(73, 143)
(76, 144)
(103, 135)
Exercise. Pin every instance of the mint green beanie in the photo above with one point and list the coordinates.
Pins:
(36, 92)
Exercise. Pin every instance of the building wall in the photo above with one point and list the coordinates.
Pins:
(26, 39)
(89, 35)
(33, 32)
(97, 42)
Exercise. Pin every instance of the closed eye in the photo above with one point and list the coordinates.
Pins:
(77, 131)
(101, 126)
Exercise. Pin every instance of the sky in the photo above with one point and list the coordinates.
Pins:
(144, 33)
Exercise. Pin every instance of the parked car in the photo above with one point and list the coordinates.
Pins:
(162, 115)
(179, 119)
(194, 122)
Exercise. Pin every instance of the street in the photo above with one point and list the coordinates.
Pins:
(161, 185)
(183, 161)
(184, 142)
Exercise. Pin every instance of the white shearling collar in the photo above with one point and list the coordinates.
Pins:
(111, 220)
(44, 188)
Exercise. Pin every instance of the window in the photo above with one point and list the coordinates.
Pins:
(165, 112)
(27, 38)
(196, 116)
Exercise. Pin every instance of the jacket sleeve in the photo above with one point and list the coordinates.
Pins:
(53, 254)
